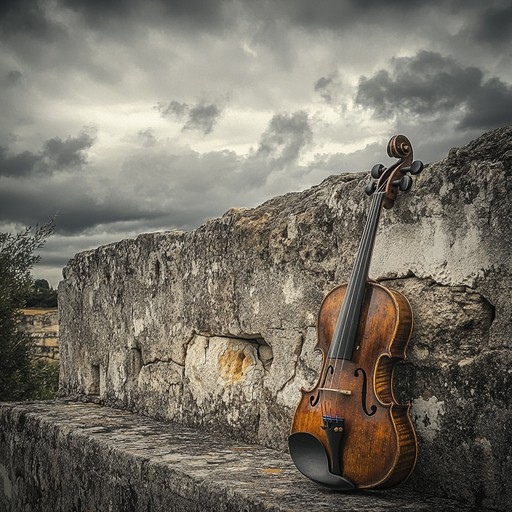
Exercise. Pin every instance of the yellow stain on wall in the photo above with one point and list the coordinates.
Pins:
(233, 363)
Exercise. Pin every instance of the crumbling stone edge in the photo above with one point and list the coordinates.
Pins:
(73, 456)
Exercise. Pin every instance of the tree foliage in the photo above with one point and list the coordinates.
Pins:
(41, 295)
(21, 377)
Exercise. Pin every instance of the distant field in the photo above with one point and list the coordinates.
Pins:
(37, 311)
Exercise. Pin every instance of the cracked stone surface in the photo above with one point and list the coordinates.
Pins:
(216, 327)
(89, 457)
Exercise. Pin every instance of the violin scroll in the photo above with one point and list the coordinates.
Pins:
(396, 177)
(399, 146)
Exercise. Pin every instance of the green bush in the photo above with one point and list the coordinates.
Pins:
(41, 295)
(45, 379)
(22, 377)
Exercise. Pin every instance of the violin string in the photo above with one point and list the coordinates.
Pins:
(374, 210)
(369, 233)
(356, 276)
(361, 266)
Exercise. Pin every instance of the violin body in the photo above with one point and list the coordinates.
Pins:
(349, 432)
(379, 445)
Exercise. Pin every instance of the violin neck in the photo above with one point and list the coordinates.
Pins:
(342, 344)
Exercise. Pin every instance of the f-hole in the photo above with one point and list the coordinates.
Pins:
(313, 400)
(373, 408)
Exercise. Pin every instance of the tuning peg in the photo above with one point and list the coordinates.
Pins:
(370, 188)
(377, 171)
(415, 168)
(405, 183)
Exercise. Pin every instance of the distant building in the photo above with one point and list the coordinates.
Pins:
(43, 325)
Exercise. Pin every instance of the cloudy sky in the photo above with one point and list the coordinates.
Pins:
(124, 117)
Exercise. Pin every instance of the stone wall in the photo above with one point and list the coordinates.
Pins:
(215, 328)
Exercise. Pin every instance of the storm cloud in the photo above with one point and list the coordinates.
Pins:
(158, 186)
(26, 16)
(329, 87)
(22, 164)
(494, 24)
(201, 116)
(195, 13)
(56, 154)
(430, 85)
(70, 152)
(285, 138)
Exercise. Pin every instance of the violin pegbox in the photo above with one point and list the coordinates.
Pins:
(396, 177)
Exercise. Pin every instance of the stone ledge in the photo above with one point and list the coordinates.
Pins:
(73, 456)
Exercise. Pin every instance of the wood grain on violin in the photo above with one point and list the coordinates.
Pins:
(349, 431)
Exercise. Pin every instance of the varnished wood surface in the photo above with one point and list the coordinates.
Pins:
(378, 451)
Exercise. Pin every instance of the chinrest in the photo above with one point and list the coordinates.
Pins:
(310, 457)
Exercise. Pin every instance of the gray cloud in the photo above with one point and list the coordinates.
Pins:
(201, 117)
(360, 160)
(26, 16)
(72, 199)
(326, 86)
(56, 154)
(20, 165)
(156, 187)
(493, 25)
(479, 20)
(424, 84)
(333, 14)
(175, 109)
(185, 13)
(33, 17)
(430, 85)
(69, 152)
(13, 77)
(285, 138)
(96, 9)
(147, 137)
(490, 106)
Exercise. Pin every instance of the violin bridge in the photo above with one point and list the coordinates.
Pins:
(340, 391)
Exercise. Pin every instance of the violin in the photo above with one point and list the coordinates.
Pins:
(349, 431)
